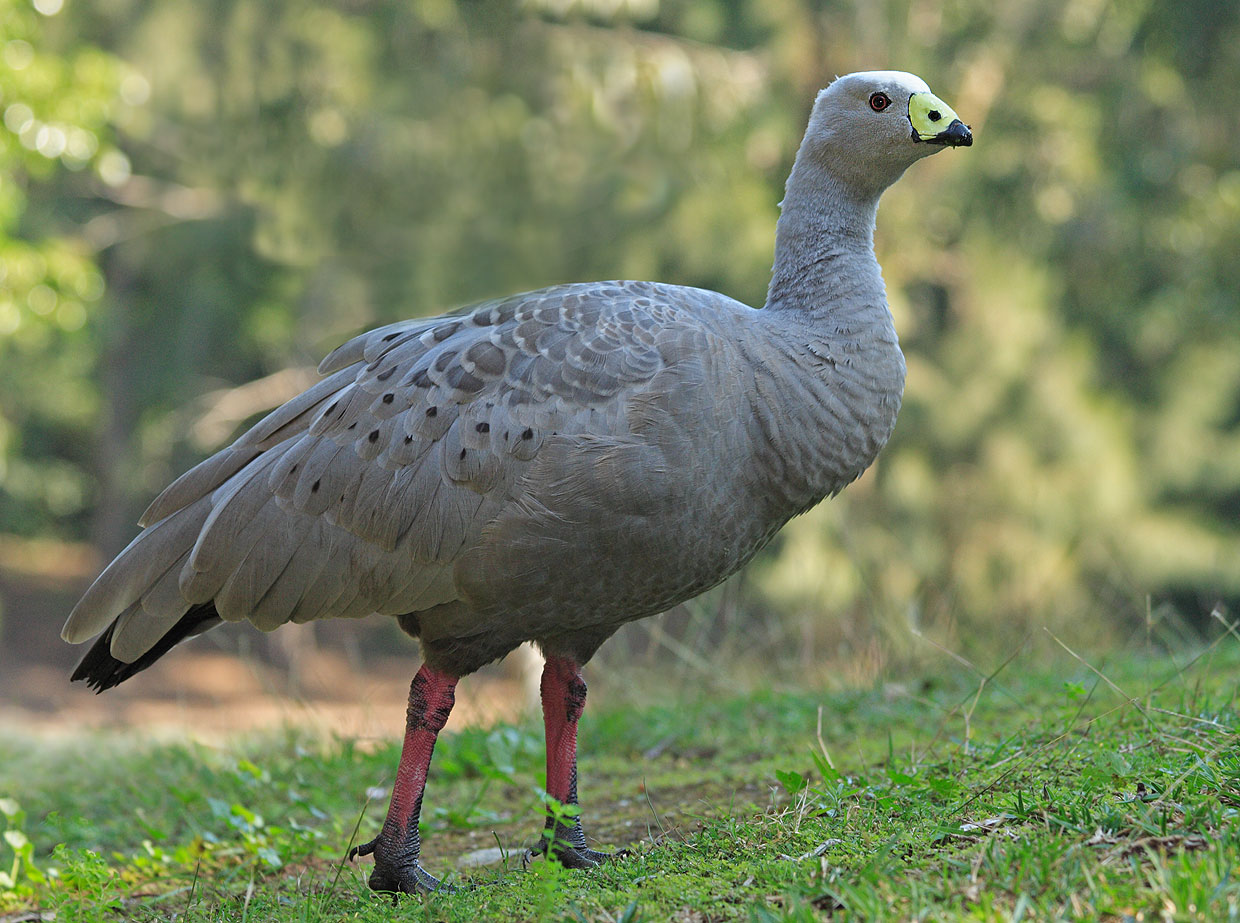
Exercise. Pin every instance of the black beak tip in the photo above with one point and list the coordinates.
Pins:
(957, 134)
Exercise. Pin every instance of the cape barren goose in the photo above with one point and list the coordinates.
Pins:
(545, 467)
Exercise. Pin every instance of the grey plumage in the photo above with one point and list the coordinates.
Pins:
(546, 466)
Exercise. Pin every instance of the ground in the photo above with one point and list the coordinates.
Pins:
(1046, 787)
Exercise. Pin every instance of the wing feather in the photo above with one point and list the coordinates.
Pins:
(235, 509)
(275, 427)
(141, 626)
(327, 569)
(252, 577)
(145, 560)
(322, 481)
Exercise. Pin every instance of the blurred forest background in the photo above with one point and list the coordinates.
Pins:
(199, 198)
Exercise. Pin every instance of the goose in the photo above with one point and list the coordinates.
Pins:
(544, 467)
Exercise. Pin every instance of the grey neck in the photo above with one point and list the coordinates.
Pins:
(824, 248)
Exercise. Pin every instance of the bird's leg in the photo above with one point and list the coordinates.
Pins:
(397, 847)
(563, 699)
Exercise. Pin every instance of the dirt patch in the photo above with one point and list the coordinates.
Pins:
(633, 821)
(209, 696)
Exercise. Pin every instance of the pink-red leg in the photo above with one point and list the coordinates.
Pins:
(397, 847)
(563, 699)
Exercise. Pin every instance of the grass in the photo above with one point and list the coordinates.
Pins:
(1070, 791)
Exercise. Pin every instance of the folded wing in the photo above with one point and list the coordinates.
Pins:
(359, 495)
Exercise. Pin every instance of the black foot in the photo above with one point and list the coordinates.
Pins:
(573, 856)
(585, 858)
(405, 877)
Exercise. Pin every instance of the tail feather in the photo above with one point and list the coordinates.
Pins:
(101, 670)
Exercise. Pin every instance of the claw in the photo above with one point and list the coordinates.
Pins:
(365, 849)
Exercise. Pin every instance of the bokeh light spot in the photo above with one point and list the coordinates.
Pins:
(18, 54)
(114, 168)
(42, 299)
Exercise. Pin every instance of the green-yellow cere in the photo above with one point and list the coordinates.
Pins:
(922, 109)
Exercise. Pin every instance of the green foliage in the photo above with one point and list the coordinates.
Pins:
(57, 108)
(23, 872)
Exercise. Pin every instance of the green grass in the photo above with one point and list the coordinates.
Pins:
(1069, 791)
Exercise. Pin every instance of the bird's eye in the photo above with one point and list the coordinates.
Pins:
(879, 101)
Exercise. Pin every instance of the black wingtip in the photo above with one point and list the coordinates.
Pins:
(100, 670)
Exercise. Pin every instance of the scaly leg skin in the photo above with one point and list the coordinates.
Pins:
(563, 699)
(397, 847)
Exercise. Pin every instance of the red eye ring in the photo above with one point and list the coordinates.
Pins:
(879, 101)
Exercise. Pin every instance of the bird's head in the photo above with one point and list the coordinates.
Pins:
(870, 127)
